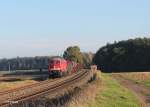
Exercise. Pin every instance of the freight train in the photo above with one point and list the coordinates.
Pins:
(59, 67)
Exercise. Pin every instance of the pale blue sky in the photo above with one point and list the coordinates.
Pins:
(47, 27)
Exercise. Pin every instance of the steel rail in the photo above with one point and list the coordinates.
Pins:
(49, 87)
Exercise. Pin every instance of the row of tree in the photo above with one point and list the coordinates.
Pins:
(129, 55)
(72, 53)
(24, 63)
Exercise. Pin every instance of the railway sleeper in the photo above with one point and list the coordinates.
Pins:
(54, 92)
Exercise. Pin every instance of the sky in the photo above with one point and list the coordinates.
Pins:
(48, 27)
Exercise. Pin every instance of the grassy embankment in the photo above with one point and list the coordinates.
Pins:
(104, 92)
(113, 94)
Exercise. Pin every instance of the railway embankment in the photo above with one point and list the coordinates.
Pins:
(31, 95)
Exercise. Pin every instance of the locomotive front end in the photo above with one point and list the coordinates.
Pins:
(57, 67)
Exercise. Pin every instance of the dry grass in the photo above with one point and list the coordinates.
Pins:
(94, 94)
(76, 97)
(12, 85)
(68, 97)
(138, 76)
(86, 94)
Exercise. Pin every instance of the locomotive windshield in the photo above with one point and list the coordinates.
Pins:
(54, 62)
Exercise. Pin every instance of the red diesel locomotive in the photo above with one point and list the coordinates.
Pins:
(60, 67)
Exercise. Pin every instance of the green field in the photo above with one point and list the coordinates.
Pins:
(114, 95)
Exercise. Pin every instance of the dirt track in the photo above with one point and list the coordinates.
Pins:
(142, 93)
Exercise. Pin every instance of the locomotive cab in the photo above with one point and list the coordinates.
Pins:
(57, 67)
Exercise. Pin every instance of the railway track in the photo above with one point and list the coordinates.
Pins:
(50, 87)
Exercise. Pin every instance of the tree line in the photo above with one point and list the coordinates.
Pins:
(72, 53)
(122, 56)
(24, 63)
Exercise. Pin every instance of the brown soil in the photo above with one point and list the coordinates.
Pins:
(141, 92)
